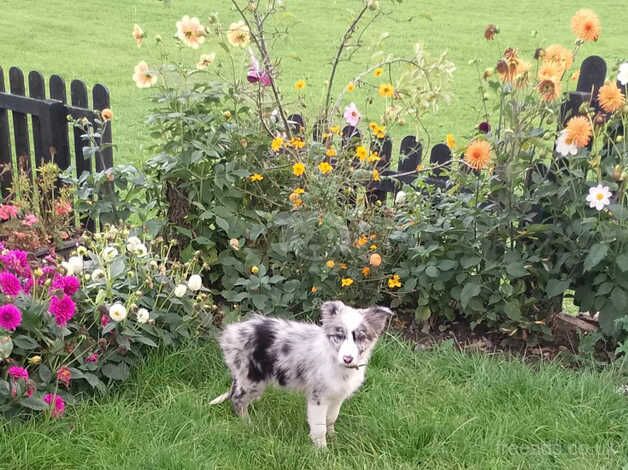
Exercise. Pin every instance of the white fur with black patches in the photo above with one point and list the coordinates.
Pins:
(327, 363)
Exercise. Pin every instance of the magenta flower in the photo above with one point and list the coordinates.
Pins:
(10, 317)
(8, 211)
(256, 74)
(9, 283)
(104, 320)
(68, 284)
(64, 376)
(17, 372)
(352, 115)
(92, 358)
(30, 220)
(58, 407)
(62, 308)
(16, 261)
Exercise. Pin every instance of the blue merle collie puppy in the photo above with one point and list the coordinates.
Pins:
(326, 362)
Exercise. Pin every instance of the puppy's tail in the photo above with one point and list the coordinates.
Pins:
(220, 398)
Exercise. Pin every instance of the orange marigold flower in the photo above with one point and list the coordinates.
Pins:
(299, 84)
(386, 90)
(579, 131)
(366, 271)
(558, 54)
(374, 157)
(106, 114)
(331, 152)
(373, 126)
(276, 144)
(346, 282)
(378, 72)
(330, 263)
(361, 153)
(298, 169)
(324, 167)
(343, 266)
(478, 154)
(350, 87)
(550, 71)
(296, 143)
(295, 199)
(549, 89)
(586, 25)
(314, 290)
(362, 240)
(394, 281)
(373, 247)
(375, 174)
(610, 97)
(256, 177)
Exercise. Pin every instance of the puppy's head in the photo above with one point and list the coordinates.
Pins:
(353, 332)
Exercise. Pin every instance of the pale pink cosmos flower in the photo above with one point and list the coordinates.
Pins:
(143, 76)
(352, 115)
(191, 32)
(256, 73)
(30, 220)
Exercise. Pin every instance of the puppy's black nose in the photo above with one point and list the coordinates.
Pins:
(347, 359)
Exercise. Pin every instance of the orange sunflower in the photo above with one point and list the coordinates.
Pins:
(586, 25)
(478, 154)
(610, 97)
(579, 131)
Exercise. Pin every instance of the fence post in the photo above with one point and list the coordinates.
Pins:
(6, 161)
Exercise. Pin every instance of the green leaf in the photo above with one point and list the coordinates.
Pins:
(596, 254)
(470, 290)
(95, 382)
(622, 262)
(556, 287)
(145, 340)
(222, 223)
(45, 374)
(25, 342)
(432, 271)
(516, 270)
(34, 403)
(469, 261)
(116, 371)
(619, 299)
(513, 310)
(447, 264)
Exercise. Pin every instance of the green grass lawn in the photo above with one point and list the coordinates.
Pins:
(434, 409)
(93, 42)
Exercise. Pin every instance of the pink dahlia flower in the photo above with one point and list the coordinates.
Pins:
(58, 405)
(10, 317)
(62, 308)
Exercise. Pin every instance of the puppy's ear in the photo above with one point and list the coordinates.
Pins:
(376, 318)
(330, 309)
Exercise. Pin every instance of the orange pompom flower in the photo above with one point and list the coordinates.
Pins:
(549, 89)
(586, 25)
(478, 154)
(610, 97)
(579, 131)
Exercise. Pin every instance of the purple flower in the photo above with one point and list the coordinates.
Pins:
(9, 283)
(92, 358)
(10, 317)
(62, 308)
(68, 284)
(484, 127)
(16, 372)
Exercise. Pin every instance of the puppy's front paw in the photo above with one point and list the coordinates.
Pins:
(319, 441)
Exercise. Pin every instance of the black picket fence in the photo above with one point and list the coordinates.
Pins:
(410, 157)
(40, 125)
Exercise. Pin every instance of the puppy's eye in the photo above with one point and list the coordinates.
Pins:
(340, 337)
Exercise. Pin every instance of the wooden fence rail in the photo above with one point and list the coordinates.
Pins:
(47, 138)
